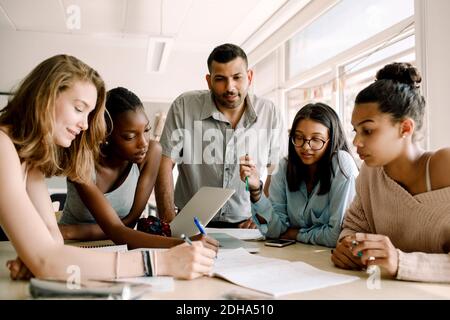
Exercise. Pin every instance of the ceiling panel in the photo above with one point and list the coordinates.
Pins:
(30, 15)
(5, 22)
(255, 19)
(100, 16)
(143, 16)
(173, 19)
(214, 20)
(200, 22)
(121, 28)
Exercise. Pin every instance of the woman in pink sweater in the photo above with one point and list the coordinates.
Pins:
(400, 217)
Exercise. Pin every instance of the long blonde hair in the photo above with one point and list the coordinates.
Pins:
(30, 115)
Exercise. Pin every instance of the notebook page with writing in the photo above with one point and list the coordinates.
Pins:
(271, 276)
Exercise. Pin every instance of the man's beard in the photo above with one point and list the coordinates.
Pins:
(221, 100)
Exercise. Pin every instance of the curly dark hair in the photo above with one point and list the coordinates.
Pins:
(397, 92)
(119, 100)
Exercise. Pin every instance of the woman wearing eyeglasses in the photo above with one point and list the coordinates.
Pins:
(312, 188)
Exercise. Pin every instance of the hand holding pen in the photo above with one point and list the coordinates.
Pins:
(249, 173)
(199, 226)
(376, 249)
(186, 261)
(208, 242)
(246, 161)
(186, 239)
(246, 178)
(343, 257)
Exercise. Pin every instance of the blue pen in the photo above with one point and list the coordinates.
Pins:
(199, 226)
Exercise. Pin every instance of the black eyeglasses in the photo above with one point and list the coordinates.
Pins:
(315, 144)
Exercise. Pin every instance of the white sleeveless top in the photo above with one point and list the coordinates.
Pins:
(121, 199)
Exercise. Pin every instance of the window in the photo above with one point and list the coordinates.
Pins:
(342, 27)
(341, 59)
(266, 69)
(360, 73)
(337, 55)
(3, 100)
(317, 90)
(267, 81)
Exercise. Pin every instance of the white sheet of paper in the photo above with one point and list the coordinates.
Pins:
(275, 277)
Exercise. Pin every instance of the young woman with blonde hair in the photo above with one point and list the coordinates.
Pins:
(54, 125)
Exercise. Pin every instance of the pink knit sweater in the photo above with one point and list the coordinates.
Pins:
(418, 226)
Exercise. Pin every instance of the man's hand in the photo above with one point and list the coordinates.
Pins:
(247, 169)
(247, 224)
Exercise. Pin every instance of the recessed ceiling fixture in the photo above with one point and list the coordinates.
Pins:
(158, 49)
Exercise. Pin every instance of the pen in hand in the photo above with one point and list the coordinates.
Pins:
(186, 239)
(199, 226)
(246, 162)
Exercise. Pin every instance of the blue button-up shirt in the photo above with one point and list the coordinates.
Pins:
(318, 217)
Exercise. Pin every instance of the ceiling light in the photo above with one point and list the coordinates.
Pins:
(158, 53)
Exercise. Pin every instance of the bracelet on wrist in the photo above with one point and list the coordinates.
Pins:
(148, 271)
(258, 189)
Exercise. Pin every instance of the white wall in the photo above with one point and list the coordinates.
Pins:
(433, 52)
(3, 100)
(119, 61)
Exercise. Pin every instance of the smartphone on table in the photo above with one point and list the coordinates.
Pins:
(279, 243)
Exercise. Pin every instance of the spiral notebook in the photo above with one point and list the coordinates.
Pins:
(102, 245)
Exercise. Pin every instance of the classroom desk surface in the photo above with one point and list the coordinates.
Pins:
(213, 288)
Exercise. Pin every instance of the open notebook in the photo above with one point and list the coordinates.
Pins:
(271, 276)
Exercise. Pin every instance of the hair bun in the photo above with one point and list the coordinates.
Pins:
(402, 72)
